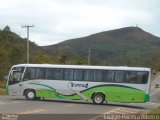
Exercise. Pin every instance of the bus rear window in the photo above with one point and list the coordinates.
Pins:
(142, 77)
(139, 77)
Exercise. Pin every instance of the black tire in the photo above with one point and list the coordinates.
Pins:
(98, 98)
(30, 95)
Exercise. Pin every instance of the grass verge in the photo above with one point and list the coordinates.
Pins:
(2, 91)
(2, 87)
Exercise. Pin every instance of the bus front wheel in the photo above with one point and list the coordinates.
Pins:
(98, 98)
(30, 95)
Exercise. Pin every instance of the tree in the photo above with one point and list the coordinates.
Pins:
(81, 62)
(43, 59)
(4, 63)
(6, 29)
(17, 55)
(62, 59)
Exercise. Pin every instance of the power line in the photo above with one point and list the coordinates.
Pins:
(27, 27)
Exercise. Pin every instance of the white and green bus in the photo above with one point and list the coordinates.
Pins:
(98, 84)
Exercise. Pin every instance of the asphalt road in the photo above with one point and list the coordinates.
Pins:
(11, 104)
(59, 110)
(155, 92)
(47, 109)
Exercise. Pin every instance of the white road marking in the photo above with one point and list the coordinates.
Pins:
(126, 111)
(9, 102)
(17, 102)
(111, 111)
(2, 103)
(32, 111)
(121, 110)
(115, 112)
(143, 104)
(150, 103)
(158, 90)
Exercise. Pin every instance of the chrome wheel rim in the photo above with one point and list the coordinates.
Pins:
(30, 95)
(98, 99)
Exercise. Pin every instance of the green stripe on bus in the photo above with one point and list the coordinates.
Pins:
(112, 92)
(147, 98)
(54, 94)
(110, 85)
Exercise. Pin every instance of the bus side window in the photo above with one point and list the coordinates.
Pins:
(40, 73)
(131, 77)
(109, 76)
(68, 74)
(53, 74)
(57, 74)
(48, 75)
(78, 75)
(99, 75)
(119, 76)
(88, 75)
(30, 74)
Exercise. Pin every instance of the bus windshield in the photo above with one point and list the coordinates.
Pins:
(16, 75)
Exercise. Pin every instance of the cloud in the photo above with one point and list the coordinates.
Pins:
(58, 20)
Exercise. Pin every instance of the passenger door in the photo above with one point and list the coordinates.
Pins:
(14, 84)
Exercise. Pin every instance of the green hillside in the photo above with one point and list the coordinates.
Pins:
(13, 51)
(129, 46)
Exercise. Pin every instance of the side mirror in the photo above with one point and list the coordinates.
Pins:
(157, 86)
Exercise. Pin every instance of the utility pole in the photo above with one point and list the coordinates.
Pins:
(89, 56)
(27, 26)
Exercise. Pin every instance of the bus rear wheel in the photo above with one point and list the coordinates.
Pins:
(98, 98)
(30, 95)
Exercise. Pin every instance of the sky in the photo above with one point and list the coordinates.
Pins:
(59, 20)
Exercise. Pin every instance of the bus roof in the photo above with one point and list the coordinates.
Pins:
(84, 67)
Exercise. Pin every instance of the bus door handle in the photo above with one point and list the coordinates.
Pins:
(20, 85)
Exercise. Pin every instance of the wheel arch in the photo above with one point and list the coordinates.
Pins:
(27, 90)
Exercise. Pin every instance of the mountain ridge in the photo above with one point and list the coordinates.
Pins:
(114, 45)
(126, 29)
